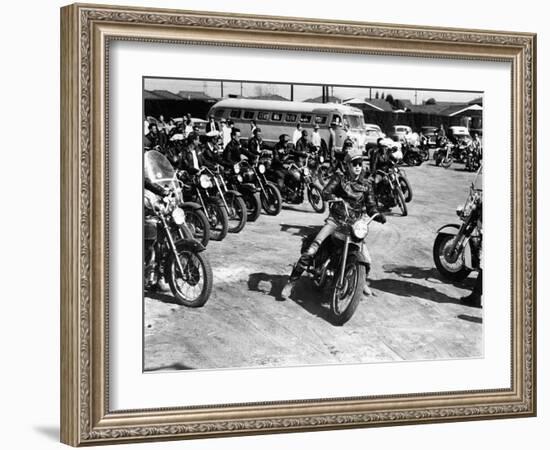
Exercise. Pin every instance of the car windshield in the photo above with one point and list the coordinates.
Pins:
(354, 121)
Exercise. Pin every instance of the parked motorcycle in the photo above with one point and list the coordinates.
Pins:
(195, 219)
(457, 248)
(198, 188)
(170, 249)
(473, 159)
(388, 189)
(231, 200)
(299, 180)
(341, 264)
(270, 197)
(443, 155)
(411, 155)
(234, 180)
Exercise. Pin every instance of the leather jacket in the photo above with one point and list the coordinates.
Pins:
(358, 194)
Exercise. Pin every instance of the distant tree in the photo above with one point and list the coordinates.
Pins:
(398, 104)
(383, 96)
(377, 95)
(389, 99)
(431, 101)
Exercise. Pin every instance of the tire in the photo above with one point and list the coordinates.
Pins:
(316, 200)
(273, 204)
(198, 273)
(237, 212)
(219, 222)
(406, 188)
(198, 225)
(446, 162)
(401, 202)
(353, 291)
(459, 271)
(253, 206)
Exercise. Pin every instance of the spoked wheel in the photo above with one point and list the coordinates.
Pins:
(401, 202)
(253, 206)
(198, 225)
(450, 264)
(346, 297)
(236, 212)
(316, 199)
(406, 189)
(446, 162)
(193, 286)
(272, 202)
(217, 217)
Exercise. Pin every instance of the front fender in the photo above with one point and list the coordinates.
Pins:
(189, 245)
(453, 228)
(190, 205)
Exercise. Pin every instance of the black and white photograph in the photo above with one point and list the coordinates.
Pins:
(288, 224)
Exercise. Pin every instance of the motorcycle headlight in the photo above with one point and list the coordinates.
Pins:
(236, 168)
(306, 171)
(240, 178)
(321, 159)
(205, 181)
(360, 229)
(261, 168)
(179, 216)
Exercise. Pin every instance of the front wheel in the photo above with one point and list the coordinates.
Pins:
(219, 222)
(451, 266)
(253, 205)
(446, 162)
(406, 188)
(316, 199)
(193, 286)
(198, 225)
(401, 202)
(236, 212)
(272, 202)
(346, 297)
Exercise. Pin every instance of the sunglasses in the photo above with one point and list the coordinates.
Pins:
(356, 163)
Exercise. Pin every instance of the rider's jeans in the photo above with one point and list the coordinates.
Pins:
(328, 228)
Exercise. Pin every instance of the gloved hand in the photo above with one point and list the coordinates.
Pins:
(380, 218)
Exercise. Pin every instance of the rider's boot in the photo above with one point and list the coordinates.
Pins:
(302, 264)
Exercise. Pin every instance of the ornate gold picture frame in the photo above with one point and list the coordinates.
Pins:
(86, 34)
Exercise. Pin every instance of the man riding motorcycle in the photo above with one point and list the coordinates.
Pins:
(356, 190)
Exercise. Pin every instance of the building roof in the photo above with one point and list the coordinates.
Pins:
(331, 99)
(378, 104)
(150, 95)
(195, 95)
(270, 97)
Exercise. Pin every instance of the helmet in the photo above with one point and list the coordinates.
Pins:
(353, 154)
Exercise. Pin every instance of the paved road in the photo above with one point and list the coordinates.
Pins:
(412, 315)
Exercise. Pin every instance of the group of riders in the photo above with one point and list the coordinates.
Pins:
(352, 177)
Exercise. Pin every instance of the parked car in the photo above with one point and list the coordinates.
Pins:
(373, 133)
(399, 132)
(431, 135)
(459, 135)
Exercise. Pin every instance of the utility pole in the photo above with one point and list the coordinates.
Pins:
(416, 97)
(291, 92)
(370, 93)
(221, 89)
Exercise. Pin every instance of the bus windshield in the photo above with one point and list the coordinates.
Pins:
(354, 121)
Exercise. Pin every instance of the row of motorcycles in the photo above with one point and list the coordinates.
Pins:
(467, 153)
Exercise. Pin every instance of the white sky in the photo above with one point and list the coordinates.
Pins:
(301, 92)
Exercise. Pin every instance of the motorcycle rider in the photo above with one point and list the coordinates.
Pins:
(279, 154)
(210, 150)
(254, 145)
(356, 190)
(232, 153)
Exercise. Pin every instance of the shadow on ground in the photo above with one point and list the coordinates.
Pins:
(300, 230)
(303, 292)
(425, 273)
(164, 298)
(403, 288)
(175, 366)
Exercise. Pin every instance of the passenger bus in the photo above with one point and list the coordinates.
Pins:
(276, 117)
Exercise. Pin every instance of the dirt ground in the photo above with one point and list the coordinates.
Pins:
(413, 313)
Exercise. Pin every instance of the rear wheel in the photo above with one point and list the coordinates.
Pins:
(346, 298)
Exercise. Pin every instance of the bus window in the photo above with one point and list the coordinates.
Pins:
(219, 112)
(305, 118)
(290, 118)
(336, 119)
(320, 120)
(354, 121)
(262, 115)
(235, 113)
(277, 117)
(248, 115)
